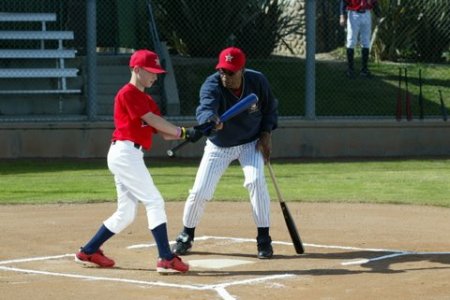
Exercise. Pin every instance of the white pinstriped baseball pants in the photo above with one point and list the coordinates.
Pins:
(214, 163)
(359, 24)
(133, 184)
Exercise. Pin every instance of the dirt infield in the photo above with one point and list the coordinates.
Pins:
(353, 251)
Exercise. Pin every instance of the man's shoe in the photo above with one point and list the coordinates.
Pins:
(365, 73)
(97, 259)
(350, 73)
(265, 250)
(175, 265)
(183, 244)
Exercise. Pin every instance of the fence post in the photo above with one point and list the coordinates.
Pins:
(91, 59)
(310, 94)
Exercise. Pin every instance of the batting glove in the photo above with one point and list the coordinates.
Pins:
(191, 134)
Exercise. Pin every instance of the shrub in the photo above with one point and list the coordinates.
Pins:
(413, 30)
(202, 28)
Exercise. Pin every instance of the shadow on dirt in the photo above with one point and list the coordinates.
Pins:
(379, 262)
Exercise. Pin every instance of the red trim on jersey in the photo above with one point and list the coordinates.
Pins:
(237, 92)
(130, 105)
(359, 4)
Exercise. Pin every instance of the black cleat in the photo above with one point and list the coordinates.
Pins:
(350, 73)
(365, 73)
(183, 244)
(265, 250)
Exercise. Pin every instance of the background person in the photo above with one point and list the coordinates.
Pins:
(356, 15)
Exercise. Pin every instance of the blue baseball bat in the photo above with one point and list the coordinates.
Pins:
(236, 109)
(239, 107)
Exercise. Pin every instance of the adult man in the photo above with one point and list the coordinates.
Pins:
(356, 14)
(246, 138)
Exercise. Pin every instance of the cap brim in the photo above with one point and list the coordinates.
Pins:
(227, 67)
(154, 70)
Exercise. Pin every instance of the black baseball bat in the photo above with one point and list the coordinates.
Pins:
(171, 152)
(295, 237)
(443, 108)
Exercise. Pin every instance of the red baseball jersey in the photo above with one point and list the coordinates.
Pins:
(130, 105)
(359, 4)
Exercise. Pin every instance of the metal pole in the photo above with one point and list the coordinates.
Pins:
(310, 94)
(91, 58)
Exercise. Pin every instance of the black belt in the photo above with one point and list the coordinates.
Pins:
(136, 145)
(361, 11)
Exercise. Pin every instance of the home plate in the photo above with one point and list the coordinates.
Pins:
(217, 263)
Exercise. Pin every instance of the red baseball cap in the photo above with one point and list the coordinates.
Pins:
(147, 60)
(231, 59)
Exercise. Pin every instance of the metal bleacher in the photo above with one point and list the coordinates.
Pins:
(56, 70)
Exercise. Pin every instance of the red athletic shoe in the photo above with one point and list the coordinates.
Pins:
(98, 259)
(175, 265)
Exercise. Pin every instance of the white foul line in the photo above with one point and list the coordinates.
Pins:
(352, 248)
(5, 262)
(219, 288)
(395, 253)
(367, 260)
(223, 293)
(253, 280)
(203, 238)
(246, 240)
(154, 283)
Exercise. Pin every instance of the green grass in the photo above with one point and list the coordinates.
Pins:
(420, 182)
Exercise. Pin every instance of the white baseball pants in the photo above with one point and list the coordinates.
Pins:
(359, 24)
(214, 162)
(133, 183)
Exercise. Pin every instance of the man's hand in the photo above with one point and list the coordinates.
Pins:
(342, 20)
(264, 144)
(209, 127)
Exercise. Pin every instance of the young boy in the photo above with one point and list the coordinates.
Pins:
(136, 119)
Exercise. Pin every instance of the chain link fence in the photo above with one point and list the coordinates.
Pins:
(188, 34)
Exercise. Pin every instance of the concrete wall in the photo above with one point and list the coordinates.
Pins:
(293, 139)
